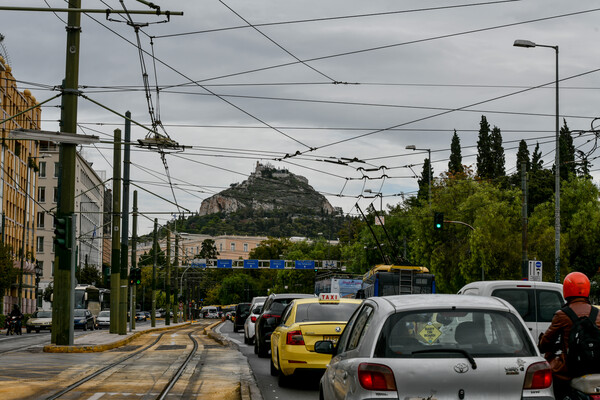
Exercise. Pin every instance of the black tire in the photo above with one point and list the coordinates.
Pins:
(255, 346)
(246, 339)
(235, 329)
(262, 350)
(29, 330)
(283, 380)
(85, 327)
(37, 331)
(274, 371)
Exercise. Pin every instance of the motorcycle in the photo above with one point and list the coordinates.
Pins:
(585, 387)
(13, 326)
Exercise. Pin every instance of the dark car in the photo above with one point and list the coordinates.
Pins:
(242, 311)
(269, 319)
(83, 319)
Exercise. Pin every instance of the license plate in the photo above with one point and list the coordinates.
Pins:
(334, 339)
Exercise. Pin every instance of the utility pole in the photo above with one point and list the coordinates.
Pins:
(176, 265)
(168, 280)
(155, 246)
(125, 228)
(134, 252)
(524, 260)
(62, 315)
(116, 280)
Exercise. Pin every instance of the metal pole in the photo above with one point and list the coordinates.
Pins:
(115, 277)
(168, 280)
(134, 250)
(155, 246)
(557, 191)
(25, 232)
(62, 315)
(125, 230)
(524, 259)
(429, 151)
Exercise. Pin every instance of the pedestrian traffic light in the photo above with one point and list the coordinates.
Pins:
(62, 232)
(438, 221)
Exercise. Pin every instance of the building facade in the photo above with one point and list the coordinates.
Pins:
(89, 209)
(18, 185)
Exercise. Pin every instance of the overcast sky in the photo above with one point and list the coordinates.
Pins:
(247, 81)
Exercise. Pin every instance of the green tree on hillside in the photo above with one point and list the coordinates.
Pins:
(485, 162)
(455, 164)
(497, 154)
(8, 273)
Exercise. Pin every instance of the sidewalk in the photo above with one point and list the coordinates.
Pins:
(102, 339)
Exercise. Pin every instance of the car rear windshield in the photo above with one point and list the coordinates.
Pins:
(325, 311)
(243, 307)
(279, 304)
(104, 314)
(79, 313)
(482, 333)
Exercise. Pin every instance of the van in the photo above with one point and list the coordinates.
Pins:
(536, 302)
(210, 312)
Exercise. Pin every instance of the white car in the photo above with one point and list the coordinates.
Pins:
(435, 347)
(250, 323)
(536, 302)
(103, 319)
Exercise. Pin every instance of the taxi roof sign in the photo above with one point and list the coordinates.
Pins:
(329, 297)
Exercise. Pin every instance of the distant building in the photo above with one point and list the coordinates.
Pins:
(89, 210)
(18, 185)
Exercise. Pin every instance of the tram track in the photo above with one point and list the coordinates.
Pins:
(167, 388)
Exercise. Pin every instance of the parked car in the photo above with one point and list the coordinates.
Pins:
(536, 302)
(304, 322)
(140, 316)
(39, 320)
(103, 319)
(250, 323)
(242, 311)
(269, 319)
(435, 346)
(84, 319)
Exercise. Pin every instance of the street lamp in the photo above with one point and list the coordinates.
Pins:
(39, 271)
(413, 147)
(528, 44)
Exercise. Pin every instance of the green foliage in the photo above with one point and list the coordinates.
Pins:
(208, 250)
(89, 274)
(8, 273)
(455, 164)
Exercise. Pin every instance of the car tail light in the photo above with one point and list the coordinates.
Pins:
(253, 319)
(294, 338)
(376, 377)
(265, 316)
(538, 376)
(594, 396)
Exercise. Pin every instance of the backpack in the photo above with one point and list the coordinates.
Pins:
(583, 354)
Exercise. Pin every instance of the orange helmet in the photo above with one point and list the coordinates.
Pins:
(576, 284)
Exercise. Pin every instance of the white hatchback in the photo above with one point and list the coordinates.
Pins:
(435, 347)
(250, 323)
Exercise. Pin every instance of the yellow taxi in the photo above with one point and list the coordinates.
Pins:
(304, 322)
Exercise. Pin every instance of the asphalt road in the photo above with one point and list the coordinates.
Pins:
(301, 387)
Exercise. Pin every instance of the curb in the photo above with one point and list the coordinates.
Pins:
(248, 390)
(53, 348)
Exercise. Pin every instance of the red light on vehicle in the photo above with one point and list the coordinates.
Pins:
(253, 319)
(376, 377)
(295, 338)
(265, 316)
(594, 396)
(538, 376)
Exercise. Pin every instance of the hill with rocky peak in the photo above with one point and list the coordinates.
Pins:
(269, 189)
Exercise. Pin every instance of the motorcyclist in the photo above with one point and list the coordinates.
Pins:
(576, 290)
(16, 312)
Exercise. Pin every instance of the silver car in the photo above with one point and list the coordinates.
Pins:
(435, 347)
(250, 323)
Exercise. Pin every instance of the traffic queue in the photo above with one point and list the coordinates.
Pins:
(481, 342)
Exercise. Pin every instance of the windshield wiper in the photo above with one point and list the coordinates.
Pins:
(461, 351)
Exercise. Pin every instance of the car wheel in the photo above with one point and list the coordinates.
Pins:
(37, 331)
(274, 371)
(282, 380)
(255, 347)
(235, 329)
(321, 395)
(28, 330)
(262, 351)
(85, 327)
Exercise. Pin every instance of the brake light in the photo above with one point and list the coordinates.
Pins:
(594, 396)
(538, 376)
(253, 319)
(265, 316)
(295, 338)
(376, 377)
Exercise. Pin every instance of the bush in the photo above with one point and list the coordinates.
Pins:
(2, 320)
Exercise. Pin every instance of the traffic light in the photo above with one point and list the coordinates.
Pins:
(62, 232)
(138, 276)
(438, 221)
(132, 277)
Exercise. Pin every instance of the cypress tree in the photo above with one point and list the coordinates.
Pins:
(497, 154)
(523, 156)
(455, 164)
(484, 159)
(536, 159)
(423, 181)
(567, 152)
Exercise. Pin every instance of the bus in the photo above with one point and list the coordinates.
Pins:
(389, 280)
(88, 297)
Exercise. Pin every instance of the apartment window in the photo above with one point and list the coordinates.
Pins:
(56, 169)
(220, 246)
(41, 194)
(245, 247)
(40, 244)
(41, 219)
(232, 246)
(42, 169)
(55, 196)
(41, 265)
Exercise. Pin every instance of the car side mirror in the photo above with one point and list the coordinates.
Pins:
(325, 347)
